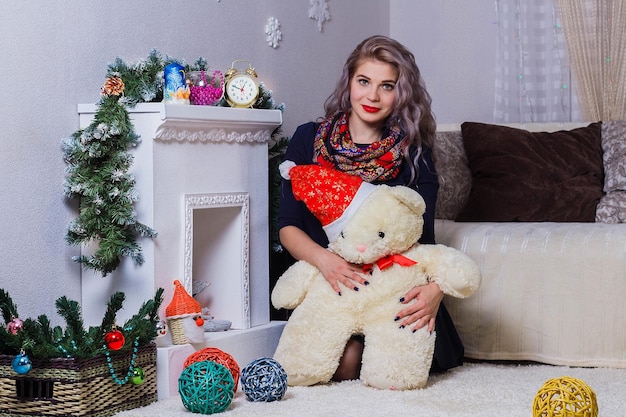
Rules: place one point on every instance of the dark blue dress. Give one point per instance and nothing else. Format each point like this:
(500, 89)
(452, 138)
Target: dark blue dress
(448, 346)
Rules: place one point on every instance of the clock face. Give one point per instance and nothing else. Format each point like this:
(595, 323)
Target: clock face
(242, 91)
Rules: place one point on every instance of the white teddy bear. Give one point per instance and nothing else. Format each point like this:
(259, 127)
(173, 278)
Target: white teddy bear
(378, 227)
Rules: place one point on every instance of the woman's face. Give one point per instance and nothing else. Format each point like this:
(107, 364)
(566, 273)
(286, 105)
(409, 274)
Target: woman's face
(373, 92)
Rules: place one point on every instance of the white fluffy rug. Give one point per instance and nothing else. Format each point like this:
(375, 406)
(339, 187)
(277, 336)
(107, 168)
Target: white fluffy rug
(475, 389)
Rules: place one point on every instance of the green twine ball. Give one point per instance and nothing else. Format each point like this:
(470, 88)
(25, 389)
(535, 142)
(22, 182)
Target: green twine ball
(206, 387)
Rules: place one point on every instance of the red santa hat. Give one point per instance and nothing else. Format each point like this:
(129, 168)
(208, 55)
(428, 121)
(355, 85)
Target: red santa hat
(331, 195)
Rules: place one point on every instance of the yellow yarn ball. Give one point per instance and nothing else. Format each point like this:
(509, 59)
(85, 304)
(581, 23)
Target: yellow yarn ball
(565, 397)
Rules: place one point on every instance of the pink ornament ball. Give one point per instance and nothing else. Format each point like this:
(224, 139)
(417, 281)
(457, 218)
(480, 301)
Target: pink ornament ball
(15, 326)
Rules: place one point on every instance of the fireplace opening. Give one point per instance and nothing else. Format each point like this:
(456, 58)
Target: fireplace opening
(217, 254)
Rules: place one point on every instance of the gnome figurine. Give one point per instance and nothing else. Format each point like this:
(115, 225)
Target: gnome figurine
(184, 317)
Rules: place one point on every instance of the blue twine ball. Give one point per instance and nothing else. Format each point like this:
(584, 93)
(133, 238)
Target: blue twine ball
(263, 379)
(206, 387)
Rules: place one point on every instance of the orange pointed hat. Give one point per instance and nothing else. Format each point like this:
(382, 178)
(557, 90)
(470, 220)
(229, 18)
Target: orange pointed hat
(331, 195)
(182, 304)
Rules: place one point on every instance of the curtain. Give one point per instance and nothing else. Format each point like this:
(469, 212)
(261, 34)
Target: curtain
(595, 31)
(532, 81)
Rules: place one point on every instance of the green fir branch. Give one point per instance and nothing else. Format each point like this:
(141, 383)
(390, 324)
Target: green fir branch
(115, 304)
(143, 323)
(7, 306)
(71, 312)
(9, 343)
(37, 338)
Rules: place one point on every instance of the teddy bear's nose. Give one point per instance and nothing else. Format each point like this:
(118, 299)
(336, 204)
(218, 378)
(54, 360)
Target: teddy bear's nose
(361, 248)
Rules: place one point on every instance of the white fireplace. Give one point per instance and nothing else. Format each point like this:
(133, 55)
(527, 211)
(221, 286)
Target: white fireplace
(202, 180)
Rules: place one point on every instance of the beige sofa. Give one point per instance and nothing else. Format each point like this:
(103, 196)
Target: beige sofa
(552, 291)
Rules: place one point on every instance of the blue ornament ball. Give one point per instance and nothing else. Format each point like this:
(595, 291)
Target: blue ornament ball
(206, 387)
(264, 379)
(21, 364)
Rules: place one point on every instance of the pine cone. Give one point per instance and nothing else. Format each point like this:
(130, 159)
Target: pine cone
(113, 86)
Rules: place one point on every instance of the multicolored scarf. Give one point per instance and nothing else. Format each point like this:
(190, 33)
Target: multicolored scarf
(379, 161)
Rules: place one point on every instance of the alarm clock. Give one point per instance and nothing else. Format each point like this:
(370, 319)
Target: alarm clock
(241, 89)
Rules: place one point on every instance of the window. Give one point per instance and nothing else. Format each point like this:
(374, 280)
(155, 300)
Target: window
(533, 80)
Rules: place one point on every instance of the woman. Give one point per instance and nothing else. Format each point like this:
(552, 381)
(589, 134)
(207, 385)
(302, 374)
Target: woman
(379, 126)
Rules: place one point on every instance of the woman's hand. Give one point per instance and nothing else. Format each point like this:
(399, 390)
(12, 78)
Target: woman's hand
(422, 305)
(337, 270)
(334, 268)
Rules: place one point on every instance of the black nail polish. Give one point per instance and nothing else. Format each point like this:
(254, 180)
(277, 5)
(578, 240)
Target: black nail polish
(356, 288)
(396, 318)
(367, 283)
(339, 293)
(402, 300)
(402, 326)
(414, 330)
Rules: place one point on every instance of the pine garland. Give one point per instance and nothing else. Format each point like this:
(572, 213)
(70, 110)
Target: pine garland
(41, 341)
(98, 162)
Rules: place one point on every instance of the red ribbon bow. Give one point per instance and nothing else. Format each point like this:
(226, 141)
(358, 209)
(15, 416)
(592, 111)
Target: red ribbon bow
(389, 260)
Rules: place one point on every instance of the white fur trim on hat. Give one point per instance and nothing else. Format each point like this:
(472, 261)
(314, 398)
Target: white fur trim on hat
(284, 169)
(334, 228)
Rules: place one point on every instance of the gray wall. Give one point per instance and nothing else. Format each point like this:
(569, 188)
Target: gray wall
(55, 54)
(454, 43)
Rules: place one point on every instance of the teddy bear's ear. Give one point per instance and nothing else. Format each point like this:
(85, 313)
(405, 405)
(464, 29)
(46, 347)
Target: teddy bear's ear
(410, 197)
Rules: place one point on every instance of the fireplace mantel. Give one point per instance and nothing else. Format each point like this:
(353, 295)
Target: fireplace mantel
(217, 124)
(205, 123)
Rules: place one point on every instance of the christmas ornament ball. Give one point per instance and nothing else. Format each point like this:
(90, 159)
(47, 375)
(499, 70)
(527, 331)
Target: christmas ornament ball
(15, 325)
(114, 339)
(21, 364)
(137, 376)
(206, 387)
(264, 379)
(565, 397)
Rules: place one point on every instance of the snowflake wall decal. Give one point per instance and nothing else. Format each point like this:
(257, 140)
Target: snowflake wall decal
(272, 30)
(319, 11)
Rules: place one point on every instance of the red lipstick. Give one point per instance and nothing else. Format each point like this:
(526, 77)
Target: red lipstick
(370, 109)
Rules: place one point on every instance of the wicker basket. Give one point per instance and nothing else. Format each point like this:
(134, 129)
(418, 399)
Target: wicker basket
(73, 387)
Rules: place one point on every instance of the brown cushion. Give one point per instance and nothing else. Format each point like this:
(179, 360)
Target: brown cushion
(525, 176)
